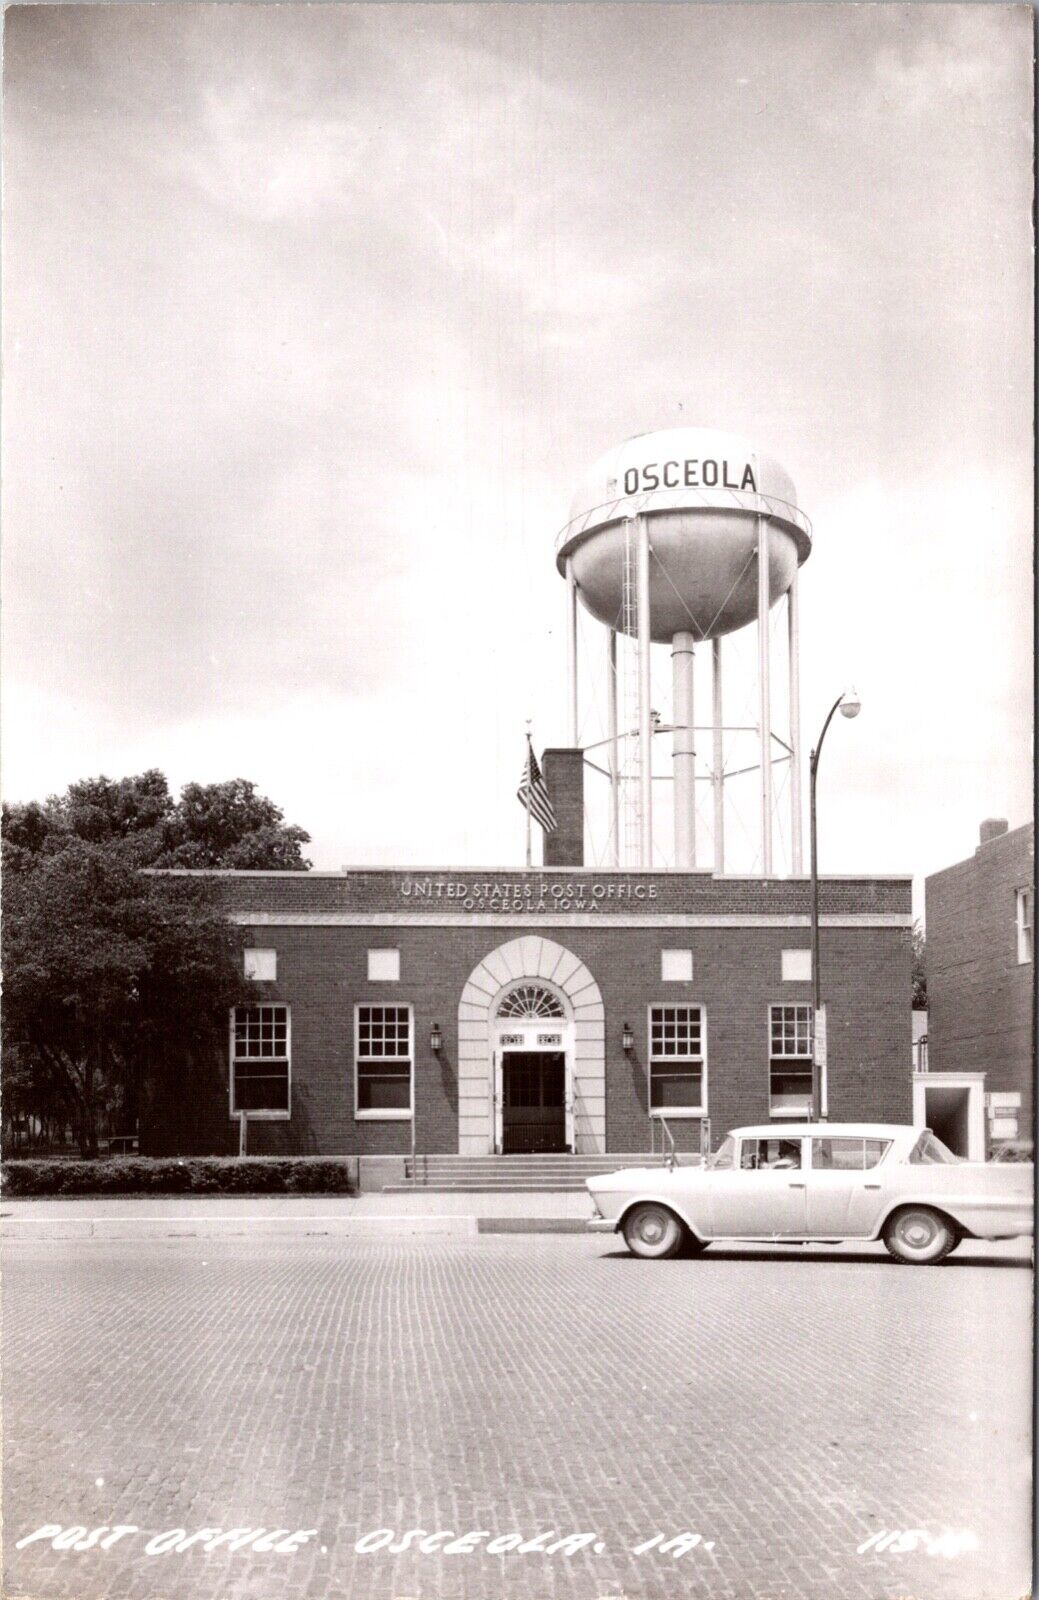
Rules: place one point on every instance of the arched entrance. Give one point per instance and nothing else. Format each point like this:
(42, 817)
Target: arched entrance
(531, 998)
(533, 1071)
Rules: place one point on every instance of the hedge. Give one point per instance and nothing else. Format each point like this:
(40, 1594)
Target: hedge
(183, 1175)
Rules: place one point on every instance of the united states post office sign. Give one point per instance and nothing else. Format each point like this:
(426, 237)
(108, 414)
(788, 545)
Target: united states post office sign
(523, 894)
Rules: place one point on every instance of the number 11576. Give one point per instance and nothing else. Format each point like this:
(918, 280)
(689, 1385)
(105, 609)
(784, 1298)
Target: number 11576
(903, 1542)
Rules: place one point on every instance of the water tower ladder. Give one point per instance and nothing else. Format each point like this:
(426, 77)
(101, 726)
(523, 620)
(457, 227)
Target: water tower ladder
(631, 809)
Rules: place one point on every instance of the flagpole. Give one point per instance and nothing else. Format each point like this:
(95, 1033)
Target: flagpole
(530, 861)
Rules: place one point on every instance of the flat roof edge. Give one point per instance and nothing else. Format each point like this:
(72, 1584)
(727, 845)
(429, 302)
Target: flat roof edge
(597, 872)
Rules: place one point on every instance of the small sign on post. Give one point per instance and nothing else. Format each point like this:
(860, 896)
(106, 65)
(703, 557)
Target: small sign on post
(1004, 1109)
(819, 1057)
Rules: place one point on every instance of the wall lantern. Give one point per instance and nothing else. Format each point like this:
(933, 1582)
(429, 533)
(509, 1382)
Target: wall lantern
(627, 1039)
(436, 1038)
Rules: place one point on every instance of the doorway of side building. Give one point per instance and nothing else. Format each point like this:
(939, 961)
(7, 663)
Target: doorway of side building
(952, 1105)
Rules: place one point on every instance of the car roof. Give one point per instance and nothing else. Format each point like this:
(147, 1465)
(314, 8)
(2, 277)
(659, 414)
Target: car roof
(817, 1130)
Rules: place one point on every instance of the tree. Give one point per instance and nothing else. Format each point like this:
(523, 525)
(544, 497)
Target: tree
(919, 968)
(211, 825)
(115, 979)
(110, 976)
(230, 825)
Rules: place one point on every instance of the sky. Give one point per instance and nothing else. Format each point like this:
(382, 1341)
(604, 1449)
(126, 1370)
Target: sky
(315, 317)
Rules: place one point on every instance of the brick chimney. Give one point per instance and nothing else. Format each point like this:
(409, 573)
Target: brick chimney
(992, 828)
(564, 778)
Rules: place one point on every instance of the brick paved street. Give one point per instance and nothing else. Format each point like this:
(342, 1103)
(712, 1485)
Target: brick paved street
(784, 1405)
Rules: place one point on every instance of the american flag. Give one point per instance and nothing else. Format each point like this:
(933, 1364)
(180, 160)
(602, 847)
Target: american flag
(532, 793)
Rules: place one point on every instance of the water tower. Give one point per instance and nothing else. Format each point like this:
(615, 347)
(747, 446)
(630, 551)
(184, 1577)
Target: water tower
(680, 537)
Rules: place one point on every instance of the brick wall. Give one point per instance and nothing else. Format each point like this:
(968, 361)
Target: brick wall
(564, 779)
(322, 974)
(979, 996)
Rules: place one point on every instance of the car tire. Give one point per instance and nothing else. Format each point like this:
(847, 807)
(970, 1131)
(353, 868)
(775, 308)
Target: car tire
(918, 1236)
(653, 1232)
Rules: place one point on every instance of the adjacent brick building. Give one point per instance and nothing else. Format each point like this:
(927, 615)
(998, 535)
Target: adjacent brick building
(980, 986)
(460, 1011)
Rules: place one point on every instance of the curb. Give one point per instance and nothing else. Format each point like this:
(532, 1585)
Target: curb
(340, 1227)
(531, 1225)
(195, 1227)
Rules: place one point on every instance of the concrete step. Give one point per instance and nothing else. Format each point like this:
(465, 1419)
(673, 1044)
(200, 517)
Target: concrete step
(489, 1186)
(574, 1164)
(495, 1176)
(520, 1174)
(536, 1163)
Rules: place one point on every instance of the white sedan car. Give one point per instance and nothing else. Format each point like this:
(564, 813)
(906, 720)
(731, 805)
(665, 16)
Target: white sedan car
(819, 1182)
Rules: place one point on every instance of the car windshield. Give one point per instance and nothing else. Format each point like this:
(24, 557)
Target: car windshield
(930, 1152)
(724, 1155)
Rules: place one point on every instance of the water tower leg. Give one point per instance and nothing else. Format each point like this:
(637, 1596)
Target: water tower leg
(614, 755)
(796, 846)
(571, 654)
(718, 774)
(765, 699)
(645, 710)
(684, 752)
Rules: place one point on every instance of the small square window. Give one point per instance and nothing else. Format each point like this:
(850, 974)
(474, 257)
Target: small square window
(797, 966)
(261, 965)
(383, 966)
(676, 966)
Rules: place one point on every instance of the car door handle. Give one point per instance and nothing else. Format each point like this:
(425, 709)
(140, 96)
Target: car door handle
(871, 1185)
(797, 1186)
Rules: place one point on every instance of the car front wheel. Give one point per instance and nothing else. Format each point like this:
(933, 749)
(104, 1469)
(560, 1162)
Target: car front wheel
(919, 1236)
(653, 1232)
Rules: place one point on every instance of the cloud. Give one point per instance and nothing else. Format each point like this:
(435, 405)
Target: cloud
(314, 316)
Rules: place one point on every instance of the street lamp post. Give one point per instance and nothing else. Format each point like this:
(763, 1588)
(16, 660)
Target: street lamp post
(850, 706)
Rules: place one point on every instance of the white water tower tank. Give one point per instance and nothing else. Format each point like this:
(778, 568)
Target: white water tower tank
(682, 536)
(703, 493)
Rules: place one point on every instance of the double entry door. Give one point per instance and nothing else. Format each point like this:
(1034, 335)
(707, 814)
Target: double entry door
(533, 1102)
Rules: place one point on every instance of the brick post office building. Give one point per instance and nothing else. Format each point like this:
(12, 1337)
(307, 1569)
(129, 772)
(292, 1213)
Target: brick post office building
(556, 1009)
(479, 1013)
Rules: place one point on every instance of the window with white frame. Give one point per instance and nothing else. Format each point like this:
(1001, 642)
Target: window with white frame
(383, 966)
(676, 1059)
(797, 966)
(260, 1060)
(676, 966)
(1024, 925)
(383, 1055)
(261, 965)
(790, 1061)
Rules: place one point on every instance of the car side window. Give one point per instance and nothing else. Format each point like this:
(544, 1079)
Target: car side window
(760, 1155)
(724, 1157)
(929, 1151)
(847, 1155)
(837, 1155)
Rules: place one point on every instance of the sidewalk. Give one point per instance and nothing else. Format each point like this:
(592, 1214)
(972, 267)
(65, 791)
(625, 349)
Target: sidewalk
(229, 1216)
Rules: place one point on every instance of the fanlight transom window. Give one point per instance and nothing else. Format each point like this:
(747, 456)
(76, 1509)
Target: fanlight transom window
(530, 1002)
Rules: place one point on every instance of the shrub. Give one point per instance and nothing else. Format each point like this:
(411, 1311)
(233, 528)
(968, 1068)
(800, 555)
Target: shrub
(184, 1175)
